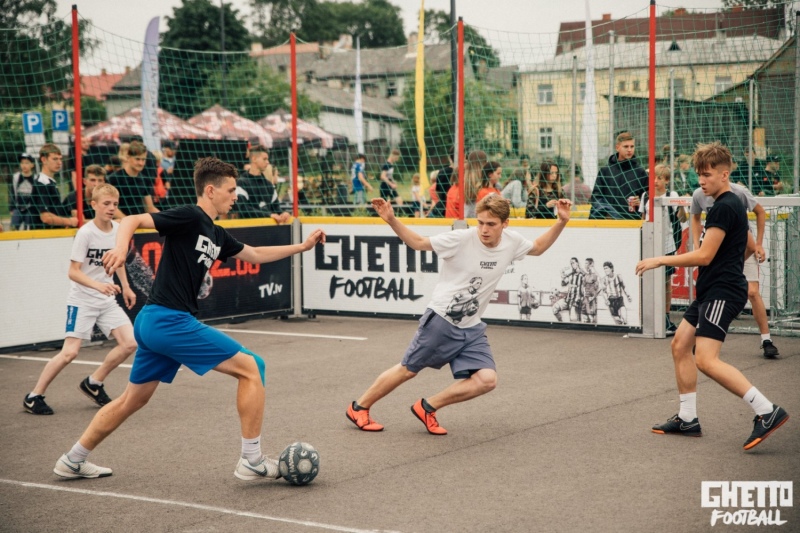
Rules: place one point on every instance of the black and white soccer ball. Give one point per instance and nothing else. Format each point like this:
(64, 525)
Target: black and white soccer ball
(299, 463)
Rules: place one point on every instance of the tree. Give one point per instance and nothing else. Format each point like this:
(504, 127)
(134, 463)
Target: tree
(438, 29)
(185, 63)
(754, 4)
(255, 91)
(276, 19)
(35, 53)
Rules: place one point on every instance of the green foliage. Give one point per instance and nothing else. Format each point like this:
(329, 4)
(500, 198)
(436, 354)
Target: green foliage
(438, 28)
(12, 140)
(35, 53)
(376, 22)
(184, 68)
(254, 92)
(93, 111)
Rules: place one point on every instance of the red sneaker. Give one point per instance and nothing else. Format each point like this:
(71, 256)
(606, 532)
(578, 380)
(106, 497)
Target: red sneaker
(362, 419)
(429, 419)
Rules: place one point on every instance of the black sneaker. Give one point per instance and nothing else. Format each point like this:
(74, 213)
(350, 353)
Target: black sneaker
(676, 426)
(96, 393)
(36, 405)
(764, 425)
(671, 328)
(770, 350)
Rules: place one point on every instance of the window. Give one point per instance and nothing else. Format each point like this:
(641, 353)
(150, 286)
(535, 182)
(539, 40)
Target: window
(621, 86)
(546, 94)
(721, 83)
(546, 139)
(391, 89)
(679, 88)
(582, 92)
(636, 86)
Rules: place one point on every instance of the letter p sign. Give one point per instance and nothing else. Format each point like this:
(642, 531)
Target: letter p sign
(60, 120)
(32, 123)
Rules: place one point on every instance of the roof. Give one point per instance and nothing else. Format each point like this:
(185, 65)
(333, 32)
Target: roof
(767, 23)
(100, 85)
(129, 85)
(753, 49)
(378, 62)
(340, 100)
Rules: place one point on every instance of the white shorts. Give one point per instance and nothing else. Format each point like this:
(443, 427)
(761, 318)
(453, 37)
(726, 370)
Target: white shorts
(752, 269)
(82, 319)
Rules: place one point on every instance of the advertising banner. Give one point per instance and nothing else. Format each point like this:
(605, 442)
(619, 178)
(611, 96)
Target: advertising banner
(586, 277)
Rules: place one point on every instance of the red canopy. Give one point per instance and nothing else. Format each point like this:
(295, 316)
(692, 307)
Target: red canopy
(229, 125)
(280, 123)
(129, 124)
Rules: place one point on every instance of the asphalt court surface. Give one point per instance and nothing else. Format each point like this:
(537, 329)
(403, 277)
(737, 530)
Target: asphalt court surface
(562, 444)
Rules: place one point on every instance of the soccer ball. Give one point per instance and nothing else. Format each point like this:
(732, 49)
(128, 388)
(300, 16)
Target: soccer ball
(299, 463)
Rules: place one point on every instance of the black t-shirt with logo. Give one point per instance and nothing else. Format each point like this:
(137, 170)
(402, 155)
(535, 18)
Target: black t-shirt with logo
(45, 198)
(192, 244)
(132, 191)
(723, 278)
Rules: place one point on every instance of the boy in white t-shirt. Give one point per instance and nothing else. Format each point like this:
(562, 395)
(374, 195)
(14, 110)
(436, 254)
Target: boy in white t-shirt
(91, 300)
(451, 331)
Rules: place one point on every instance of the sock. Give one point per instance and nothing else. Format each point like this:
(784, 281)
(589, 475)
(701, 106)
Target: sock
(688, 410)
(428, 407)
(758, 402)
(31, 396)
(357, 407)
(78, 453)
(251, 449)
(93, 382)
(765, 337)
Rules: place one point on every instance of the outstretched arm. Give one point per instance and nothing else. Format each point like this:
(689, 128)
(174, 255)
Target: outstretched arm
(412, 239)
(115, 258)
(546, 240)
(700, 257)
(268, 254)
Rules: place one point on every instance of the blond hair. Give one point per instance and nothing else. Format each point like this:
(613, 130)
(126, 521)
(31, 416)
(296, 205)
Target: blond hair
(105, 189)
(496, 205)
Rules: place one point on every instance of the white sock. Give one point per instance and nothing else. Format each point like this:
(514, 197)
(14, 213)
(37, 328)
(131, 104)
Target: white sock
(78, 453)
(31, 395)
(688, 410)
(251, 450)
(765, 337)
(93, 382)
(758, 402)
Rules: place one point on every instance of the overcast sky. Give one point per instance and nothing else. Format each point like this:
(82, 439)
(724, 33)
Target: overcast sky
(130, 20)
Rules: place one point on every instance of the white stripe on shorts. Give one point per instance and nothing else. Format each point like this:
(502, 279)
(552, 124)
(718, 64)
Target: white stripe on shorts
(714, 312)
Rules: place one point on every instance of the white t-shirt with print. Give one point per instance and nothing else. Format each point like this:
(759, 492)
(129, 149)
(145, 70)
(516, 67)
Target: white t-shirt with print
(88, 248)
(470, 272)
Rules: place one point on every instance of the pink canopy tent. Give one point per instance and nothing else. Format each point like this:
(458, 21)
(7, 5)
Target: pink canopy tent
(229, 125)
(129, 124)
(280, 122)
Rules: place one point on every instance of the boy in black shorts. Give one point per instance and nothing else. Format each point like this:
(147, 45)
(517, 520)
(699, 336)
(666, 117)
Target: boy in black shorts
(721, 296)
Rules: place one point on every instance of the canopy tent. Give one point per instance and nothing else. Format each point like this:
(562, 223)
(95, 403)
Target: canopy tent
(129, 124)
(229, 125)
(280, 122)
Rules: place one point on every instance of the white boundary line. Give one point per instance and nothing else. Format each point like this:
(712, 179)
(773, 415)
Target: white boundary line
(189, 505)
(46, 359)
(258, 332)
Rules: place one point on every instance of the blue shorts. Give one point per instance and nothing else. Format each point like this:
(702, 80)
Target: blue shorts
(438, 342)
(168, 339)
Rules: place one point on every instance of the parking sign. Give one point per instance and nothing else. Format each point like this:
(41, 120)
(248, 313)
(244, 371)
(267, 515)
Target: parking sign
(33, 128)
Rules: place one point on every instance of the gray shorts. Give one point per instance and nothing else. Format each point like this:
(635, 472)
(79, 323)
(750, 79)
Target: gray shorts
(752, 269)
(438, 342)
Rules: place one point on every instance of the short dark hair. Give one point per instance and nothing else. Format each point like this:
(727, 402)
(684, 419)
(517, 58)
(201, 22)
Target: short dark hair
(608, 264)
(258, 149)
(361, 156)
(95, 170)
(48, 149)
(210, 170)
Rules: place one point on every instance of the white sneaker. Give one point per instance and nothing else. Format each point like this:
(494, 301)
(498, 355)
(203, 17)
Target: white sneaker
(66, 468)
(266, 468)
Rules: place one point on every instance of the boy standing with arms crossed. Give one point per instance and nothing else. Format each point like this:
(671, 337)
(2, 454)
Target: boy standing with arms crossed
(91, 300)
(721, 296)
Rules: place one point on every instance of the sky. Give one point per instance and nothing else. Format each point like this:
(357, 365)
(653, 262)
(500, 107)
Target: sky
(490, 16)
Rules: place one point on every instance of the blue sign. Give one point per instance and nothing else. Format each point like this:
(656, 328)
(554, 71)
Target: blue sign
(60, 120)
(32, 123)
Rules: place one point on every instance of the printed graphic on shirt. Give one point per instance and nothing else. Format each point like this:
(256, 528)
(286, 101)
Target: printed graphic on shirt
(465, 304)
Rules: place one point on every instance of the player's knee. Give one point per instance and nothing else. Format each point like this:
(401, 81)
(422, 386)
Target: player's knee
(129, 346)
(261, 366)
(487, 381)
(752, 291)
(69, 354)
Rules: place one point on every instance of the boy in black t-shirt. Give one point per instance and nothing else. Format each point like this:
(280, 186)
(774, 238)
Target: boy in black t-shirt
(721, 296)
(166, 330)
(388, 188)
(135, 188)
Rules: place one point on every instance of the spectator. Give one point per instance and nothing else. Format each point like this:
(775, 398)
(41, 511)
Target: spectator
(360, 183)
(516, 189)
(417, 197)
(583, 193)
(741, 171)
(771, 180)
(472, 180)
(686, 180)
(45, 199)
(114, 164)
(525, 168)
(87, 158)
(441, 185)
(545, 192)
(135, 190)
(620, 184)
(671, 219)
(256, 194)
(167, 163)
(93, 175)
(454, 205)
(20, 189)
(492, 171)
(388, 188)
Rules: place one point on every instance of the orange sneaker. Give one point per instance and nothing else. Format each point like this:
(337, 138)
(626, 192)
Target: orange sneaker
(362, 419)
(429, 419)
